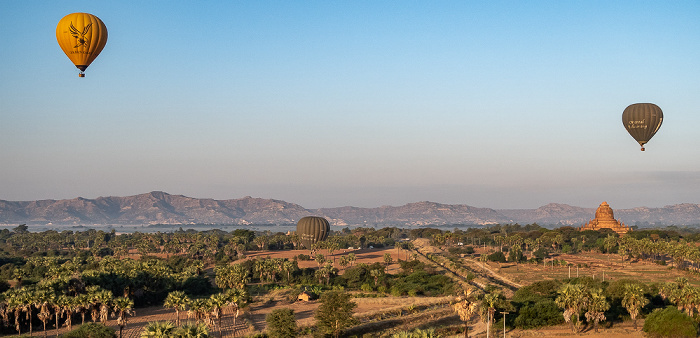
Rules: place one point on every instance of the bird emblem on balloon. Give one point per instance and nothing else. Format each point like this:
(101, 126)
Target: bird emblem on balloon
(82, 39)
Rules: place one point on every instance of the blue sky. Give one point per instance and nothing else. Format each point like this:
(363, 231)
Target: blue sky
(502, 104)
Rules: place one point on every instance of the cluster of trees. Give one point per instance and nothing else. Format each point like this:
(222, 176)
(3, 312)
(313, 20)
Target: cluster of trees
(584, 302)
(63, 276)
(206, 311)
(22, 306)
(514, 243)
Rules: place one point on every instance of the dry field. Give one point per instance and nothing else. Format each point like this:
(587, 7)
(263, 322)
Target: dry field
(594, 265)
(367, 256)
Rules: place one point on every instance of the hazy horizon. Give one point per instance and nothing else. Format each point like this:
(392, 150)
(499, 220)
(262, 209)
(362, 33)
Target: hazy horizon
(498, 104)
(341, 206)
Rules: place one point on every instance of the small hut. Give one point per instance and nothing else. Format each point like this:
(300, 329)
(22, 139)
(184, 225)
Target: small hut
(306, 296)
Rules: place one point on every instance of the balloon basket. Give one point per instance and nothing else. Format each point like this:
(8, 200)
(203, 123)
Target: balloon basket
(642, 148)
(81, 75)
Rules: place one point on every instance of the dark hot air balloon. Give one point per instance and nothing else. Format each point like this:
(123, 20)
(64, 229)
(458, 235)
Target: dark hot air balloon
(642, 120)
(82, 37)
(312, 229)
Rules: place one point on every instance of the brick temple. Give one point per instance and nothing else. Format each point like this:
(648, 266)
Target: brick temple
(604, 219)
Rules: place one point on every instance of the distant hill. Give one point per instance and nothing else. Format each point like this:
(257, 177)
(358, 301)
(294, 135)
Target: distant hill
(162, 208)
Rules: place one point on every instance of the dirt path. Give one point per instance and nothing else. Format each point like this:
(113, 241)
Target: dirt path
(508, 287)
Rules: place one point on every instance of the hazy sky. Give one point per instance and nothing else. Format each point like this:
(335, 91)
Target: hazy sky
(502, 104)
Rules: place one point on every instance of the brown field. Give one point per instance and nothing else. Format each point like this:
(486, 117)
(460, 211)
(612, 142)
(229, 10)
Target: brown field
(594, 265)
(367, 256)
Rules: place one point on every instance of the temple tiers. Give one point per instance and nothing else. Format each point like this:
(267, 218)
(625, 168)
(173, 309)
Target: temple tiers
(604, 219)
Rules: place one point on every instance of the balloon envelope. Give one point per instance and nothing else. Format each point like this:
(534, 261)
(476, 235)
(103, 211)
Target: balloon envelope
(312, 229)
(82, 37)
(642, 121)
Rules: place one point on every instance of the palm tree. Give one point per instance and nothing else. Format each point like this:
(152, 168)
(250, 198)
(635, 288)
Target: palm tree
(488, 308)
(634, 301)
(289, 267)
(43, 299)
(218, 301)
(344, 261)
(320, 259)
(597, 305)
(686, 297)
(65, 305)
(236, 297)
(83, 303)
(466, 307)
(198, 330)
(352, 258)
(376, 273)
(158, 330)
(15, 304)
(93, 295)
(572, 298)
(198, 309)
(28, 299)
(124, 307)
(105, 299)
(177, 300)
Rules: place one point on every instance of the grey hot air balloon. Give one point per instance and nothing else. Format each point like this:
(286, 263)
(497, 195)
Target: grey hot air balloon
(642, 120)
(312, 229)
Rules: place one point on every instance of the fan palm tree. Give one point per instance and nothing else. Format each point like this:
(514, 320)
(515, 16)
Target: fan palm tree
(63, 305)
(177, 300)
(218, 301)
(572, 298)
(15, 304)
(466, 306)
(198, 330)
(43, 300)
(352, 258)
(28, 300)
(488, 307)
(82, 304)
(199, 308)
(105, 299)
(93, 296)
(123, 307)
(634, 301)
(289, 267)
(236, 297)
(158, 330)
(597, 305)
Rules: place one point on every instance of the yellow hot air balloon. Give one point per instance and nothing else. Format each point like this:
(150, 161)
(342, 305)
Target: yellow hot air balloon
(82, 37)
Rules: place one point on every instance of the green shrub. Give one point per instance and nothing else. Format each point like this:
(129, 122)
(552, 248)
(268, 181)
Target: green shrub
(281, 323)
(543, 313)
(670, 322)
(516, 256)
(497, 256)
(541, 254)
(91, 330)
(303, 257)
(395, 291)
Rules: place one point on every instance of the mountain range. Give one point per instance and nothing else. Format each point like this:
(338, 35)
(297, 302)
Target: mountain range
(162, 208)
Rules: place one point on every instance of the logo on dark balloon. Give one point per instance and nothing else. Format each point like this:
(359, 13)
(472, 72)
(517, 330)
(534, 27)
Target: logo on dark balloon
(82, 39)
